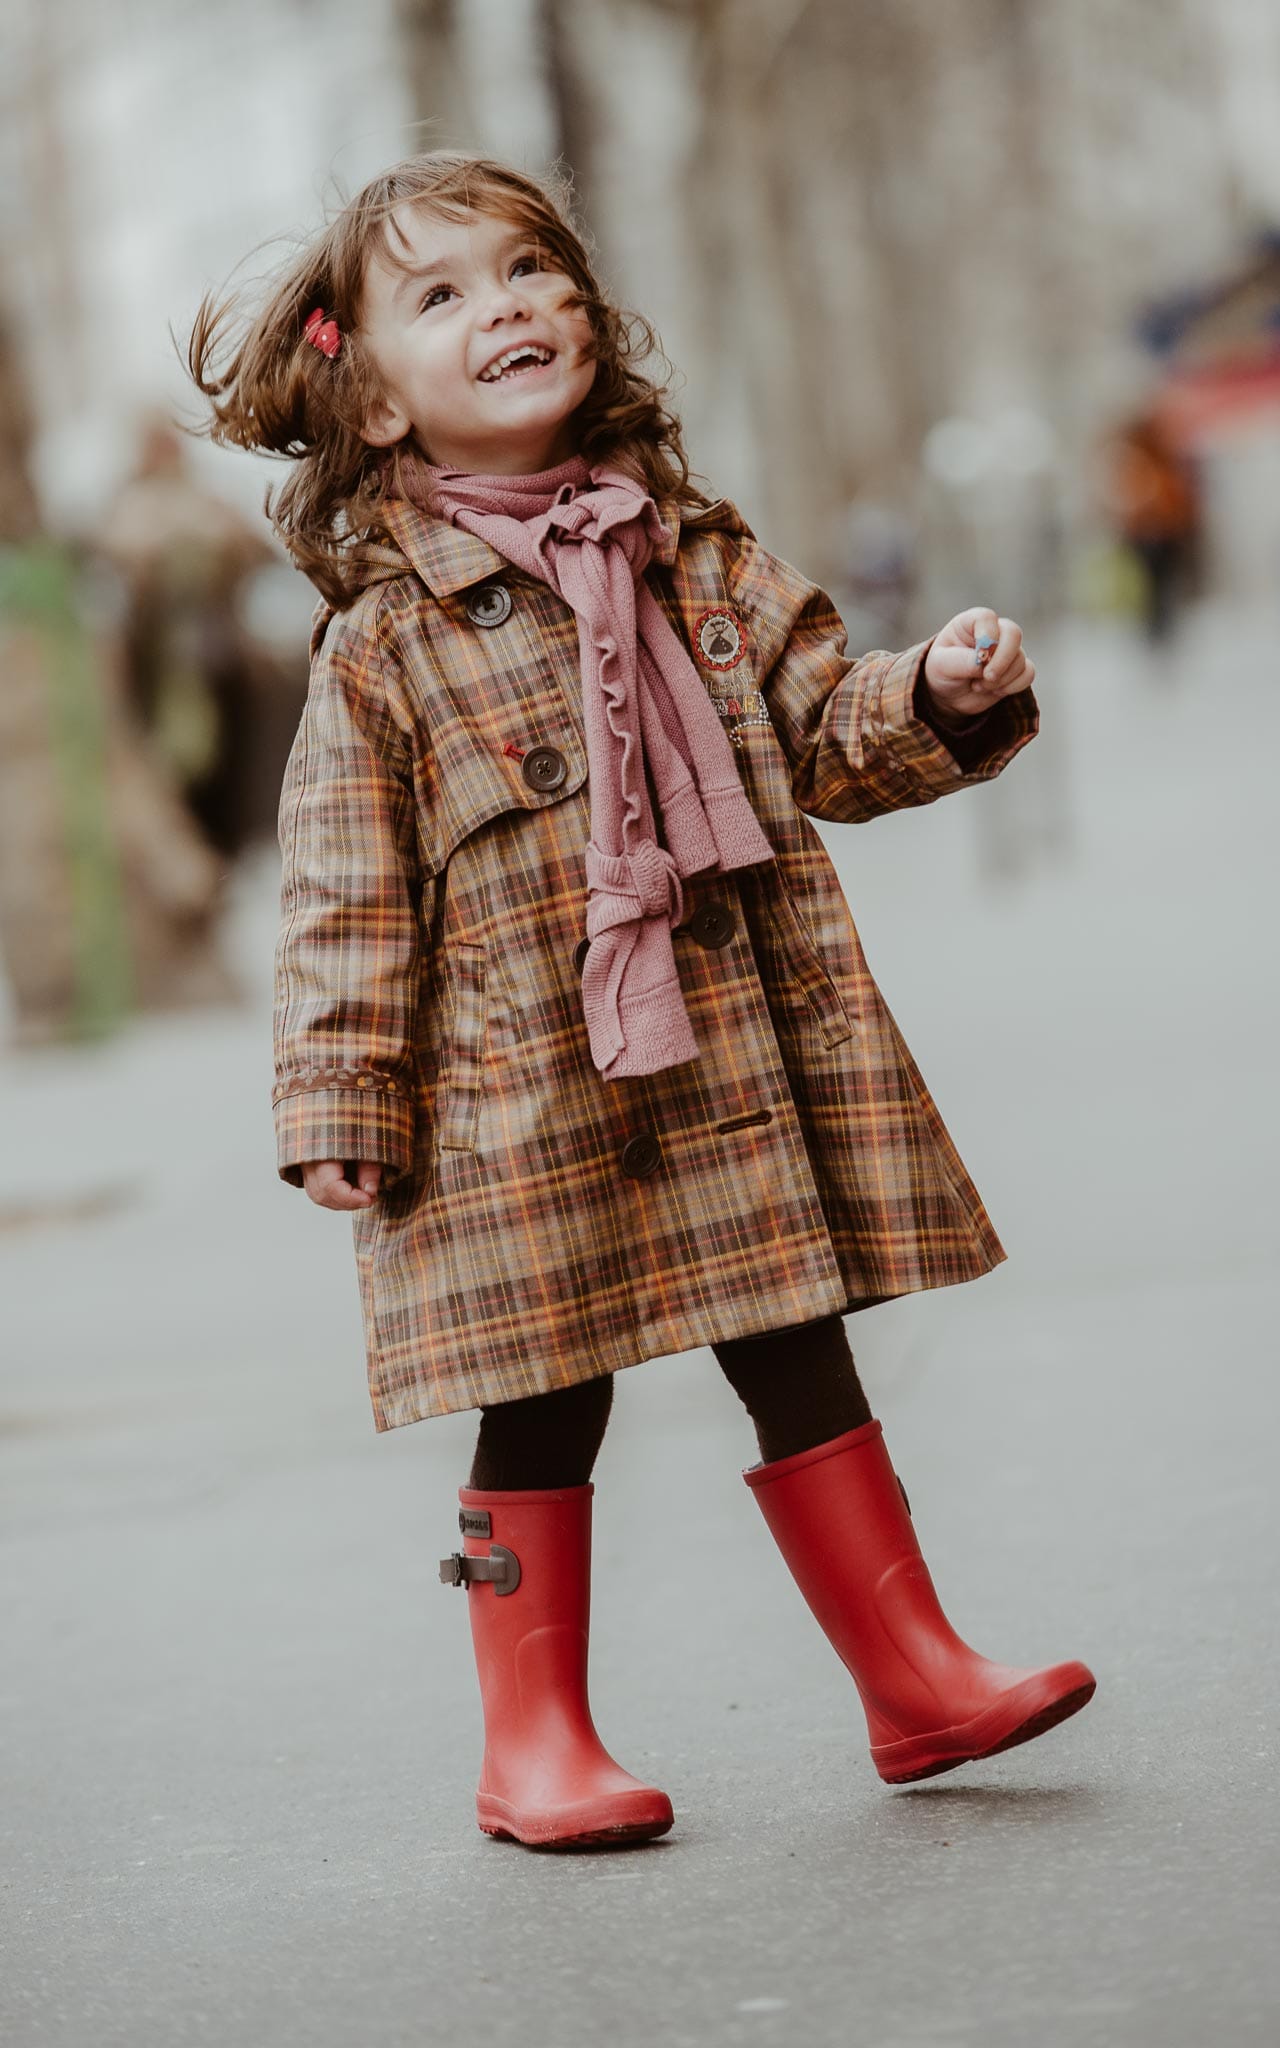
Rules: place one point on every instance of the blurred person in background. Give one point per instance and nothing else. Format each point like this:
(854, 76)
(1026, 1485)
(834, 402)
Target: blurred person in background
(108, 893)
(542, 647)
(1152, 497)
(184, 557)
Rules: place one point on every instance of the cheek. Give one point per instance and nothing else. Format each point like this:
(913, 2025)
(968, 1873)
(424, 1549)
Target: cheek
(586, 368)
(575, 325)
(387, 362)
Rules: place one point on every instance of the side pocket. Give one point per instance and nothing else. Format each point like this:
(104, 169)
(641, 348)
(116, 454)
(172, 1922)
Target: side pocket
(461, 1084)
(802, 962)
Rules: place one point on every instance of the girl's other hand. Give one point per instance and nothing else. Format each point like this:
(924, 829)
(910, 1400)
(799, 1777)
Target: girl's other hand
(342, 1184)
(976, 659)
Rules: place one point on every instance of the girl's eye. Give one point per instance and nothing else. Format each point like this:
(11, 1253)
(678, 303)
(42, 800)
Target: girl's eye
(439, 292)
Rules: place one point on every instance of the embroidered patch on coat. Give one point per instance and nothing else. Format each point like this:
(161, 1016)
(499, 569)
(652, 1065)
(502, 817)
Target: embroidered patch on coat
(719, 638)
(739, 705)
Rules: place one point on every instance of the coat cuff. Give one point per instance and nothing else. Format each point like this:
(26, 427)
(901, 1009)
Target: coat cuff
(343, 1114)
(935, 756)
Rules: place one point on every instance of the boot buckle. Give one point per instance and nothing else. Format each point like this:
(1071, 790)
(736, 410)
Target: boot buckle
(501, 1568)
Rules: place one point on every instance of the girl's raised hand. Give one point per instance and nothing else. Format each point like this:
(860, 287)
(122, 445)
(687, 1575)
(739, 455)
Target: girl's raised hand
(976, 659)
(342, 1184)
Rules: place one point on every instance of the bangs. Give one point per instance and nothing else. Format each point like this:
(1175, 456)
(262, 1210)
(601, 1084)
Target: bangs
(530, 219)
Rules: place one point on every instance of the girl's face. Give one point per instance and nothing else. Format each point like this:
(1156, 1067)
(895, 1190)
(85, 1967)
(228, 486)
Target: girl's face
(475, 290)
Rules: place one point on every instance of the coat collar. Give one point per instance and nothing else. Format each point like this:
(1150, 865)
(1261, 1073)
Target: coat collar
(448, 559)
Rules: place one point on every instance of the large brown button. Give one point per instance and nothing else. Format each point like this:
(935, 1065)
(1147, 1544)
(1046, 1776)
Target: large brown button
(640, 1155)
(489, 605)
(544, 768)
(712, 924)
(580, 952)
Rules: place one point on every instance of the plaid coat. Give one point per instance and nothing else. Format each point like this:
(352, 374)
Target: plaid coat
(538, 1224)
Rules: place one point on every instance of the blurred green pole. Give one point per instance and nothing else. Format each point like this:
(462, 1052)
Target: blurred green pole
(38, 588)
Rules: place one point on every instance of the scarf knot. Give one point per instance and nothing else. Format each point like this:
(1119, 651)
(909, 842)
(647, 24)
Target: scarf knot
(646, 879)
(609, 518)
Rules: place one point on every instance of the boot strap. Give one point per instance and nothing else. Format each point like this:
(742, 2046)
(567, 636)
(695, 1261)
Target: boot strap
(501, 1567)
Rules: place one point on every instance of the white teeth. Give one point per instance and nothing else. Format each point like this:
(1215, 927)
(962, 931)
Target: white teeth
(514, 355)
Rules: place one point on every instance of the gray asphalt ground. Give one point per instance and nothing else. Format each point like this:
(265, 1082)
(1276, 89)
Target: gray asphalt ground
(240, 1718)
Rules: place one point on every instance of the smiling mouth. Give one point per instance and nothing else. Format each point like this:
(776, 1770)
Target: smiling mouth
(517, 362)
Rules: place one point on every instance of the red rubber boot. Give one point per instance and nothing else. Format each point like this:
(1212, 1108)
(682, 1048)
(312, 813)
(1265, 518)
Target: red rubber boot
(840, 1519)
(547, 1778)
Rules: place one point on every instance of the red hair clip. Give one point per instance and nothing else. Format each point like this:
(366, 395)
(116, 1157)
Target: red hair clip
(322, 333)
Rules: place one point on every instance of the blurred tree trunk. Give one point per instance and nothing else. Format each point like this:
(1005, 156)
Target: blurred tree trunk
(436, 74)
(568, 93)
(747, 233)
(19, 519)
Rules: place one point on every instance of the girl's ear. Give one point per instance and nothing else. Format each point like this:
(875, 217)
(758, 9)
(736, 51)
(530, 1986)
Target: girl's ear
(385, 424)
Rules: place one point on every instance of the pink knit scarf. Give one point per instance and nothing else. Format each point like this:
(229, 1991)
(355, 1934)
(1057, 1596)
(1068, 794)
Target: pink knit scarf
(590, 531)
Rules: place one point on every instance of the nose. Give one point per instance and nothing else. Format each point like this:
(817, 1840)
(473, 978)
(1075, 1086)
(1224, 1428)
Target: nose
(504, 303)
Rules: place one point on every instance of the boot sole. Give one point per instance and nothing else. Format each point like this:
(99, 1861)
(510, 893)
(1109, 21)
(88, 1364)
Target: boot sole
(946, 1749)
(597, 1838)
(499, 1821)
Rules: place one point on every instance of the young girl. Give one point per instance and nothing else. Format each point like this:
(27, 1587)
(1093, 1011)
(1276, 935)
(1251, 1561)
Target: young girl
(571, 1014)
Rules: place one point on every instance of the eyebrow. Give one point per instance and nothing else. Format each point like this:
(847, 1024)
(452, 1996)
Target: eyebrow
(422, 271)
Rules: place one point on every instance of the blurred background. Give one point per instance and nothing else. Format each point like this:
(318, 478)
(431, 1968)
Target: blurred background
(974, 303)
(979, 303)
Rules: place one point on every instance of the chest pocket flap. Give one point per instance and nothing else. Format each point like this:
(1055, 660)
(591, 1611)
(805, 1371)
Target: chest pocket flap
(488, 679)
(468, 778)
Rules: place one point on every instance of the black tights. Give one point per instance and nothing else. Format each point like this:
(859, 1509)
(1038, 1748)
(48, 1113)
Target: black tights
(799, 1386)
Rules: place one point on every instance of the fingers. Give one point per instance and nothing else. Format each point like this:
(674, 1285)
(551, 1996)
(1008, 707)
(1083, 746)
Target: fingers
(1019, 675)
(986, 639)
(339, 1184)
(1005, 657)
(997, 643)
(967, 627)
(985, 690)
(981, 648)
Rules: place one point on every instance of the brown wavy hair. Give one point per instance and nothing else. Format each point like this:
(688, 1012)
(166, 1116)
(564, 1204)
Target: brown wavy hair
(268, 388)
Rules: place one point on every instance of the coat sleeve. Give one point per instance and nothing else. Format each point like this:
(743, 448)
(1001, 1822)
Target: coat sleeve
(347, 959)
(861, 736)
